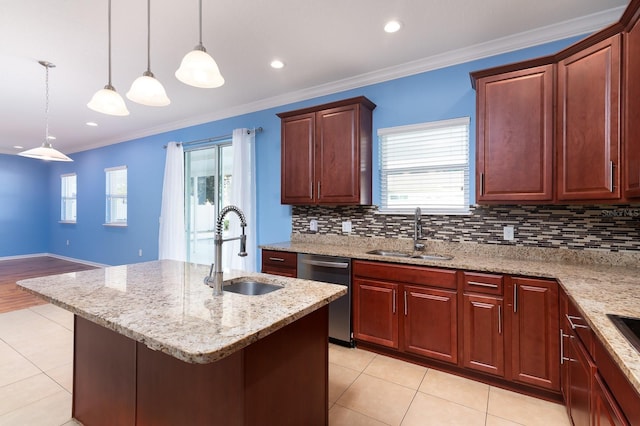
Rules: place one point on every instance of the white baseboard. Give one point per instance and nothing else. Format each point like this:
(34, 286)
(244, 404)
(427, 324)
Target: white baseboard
(57, 256)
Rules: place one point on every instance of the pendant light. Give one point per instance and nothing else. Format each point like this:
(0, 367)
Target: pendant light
(46, 151)
(146, 90)
(107, 100)
(198, 68)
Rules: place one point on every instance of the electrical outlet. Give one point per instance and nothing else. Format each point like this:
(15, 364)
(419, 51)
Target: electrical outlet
(313, 225)
(346, 226)
(508, 233)
(140, 252)
(68, 242)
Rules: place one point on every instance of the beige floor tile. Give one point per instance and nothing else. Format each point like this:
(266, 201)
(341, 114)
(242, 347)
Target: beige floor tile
(353, 358)
(525, 409)
(46, 351)
(25, 392)
(54, 313)
(63, 375)
(341, 416)
(72, 422)
(456, 389)
(377, 398)
(430, 410)
(14, 366)
(54, 410)
(497, 421)
(340, 378)
(396, 371)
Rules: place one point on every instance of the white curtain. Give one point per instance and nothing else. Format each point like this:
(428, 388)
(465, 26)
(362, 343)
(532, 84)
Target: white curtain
(243, 195)
(171, 240)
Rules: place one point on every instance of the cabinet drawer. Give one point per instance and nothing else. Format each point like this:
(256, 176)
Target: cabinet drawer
(433, 277)
(280, 263)
(476, 282)
(580, 327)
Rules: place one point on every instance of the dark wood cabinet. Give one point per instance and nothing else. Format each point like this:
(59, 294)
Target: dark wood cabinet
(605, 409)
(514, 155)
(430, 323)
(534, 332)
(280, 263)
(581, 373)
(326, 154)
(588, 129)
(631, 93)
(375, 312)
(483, 347)
(409, 308)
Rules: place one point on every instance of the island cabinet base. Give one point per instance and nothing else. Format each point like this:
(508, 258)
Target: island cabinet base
(281, 379)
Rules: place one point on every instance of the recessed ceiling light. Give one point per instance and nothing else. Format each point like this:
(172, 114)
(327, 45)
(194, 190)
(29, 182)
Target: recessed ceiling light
(277, 64)
(392, 26)
(18, 146)
(91, 124)
(51, 138)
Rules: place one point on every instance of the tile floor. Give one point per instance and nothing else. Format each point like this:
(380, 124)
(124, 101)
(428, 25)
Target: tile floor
(364, 388)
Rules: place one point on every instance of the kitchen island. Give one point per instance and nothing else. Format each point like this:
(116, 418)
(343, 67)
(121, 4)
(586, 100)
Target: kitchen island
(152, 345)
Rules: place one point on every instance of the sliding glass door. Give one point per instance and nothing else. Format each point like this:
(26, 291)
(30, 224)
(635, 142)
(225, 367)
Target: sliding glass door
(207, 189)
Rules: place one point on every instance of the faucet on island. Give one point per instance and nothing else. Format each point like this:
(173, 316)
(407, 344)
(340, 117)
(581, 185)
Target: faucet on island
(417, 230)
(215, 281)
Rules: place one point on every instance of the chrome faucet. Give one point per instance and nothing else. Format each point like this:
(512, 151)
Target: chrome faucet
(417, 230)
(214, 279)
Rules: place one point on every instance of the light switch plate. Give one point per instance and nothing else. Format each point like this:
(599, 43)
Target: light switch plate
(508, 233)
(346, 226)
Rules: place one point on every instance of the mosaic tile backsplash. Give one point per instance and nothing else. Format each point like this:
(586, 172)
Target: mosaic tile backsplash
(606, 227)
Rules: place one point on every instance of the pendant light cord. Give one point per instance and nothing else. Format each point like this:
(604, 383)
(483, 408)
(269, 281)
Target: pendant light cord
(149, 36)
(200, 22)
(109, 20)
(46, 103)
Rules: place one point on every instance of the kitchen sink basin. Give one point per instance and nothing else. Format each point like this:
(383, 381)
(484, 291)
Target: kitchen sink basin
(629, 327)
(424, 256)
(250, 288)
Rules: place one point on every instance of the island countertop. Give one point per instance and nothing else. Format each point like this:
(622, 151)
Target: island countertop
(166, 306)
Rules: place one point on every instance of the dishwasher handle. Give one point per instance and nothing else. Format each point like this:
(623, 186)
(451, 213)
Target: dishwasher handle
(336, 265)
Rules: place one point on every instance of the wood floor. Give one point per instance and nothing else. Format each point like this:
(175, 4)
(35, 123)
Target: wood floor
(13, 297)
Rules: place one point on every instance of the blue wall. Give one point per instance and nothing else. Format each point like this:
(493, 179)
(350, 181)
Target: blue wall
(436, 95)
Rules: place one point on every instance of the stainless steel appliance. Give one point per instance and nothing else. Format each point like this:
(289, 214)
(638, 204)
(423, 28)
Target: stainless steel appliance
(335, 270)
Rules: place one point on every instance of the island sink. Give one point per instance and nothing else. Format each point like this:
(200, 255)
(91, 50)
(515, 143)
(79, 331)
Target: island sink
(250, 287)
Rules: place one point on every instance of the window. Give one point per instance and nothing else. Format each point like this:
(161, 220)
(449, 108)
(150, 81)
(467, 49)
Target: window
(116, 194)
(427, 166)
(68, 198)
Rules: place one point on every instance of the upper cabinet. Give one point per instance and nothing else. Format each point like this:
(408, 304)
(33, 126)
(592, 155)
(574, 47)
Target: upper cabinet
(515, 136)
(566, 127)
(588, 163)
(326, 154)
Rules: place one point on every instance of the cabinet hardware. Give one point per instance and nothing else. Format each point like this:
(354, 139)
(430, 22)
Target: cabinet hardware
(318, 190)
(311, 190)
(276, 259)
(406, 307)
(481, 183)
(499, 319)
(336, 265)
(515, 298)
(479, 284)
(562, 357)
(393, 302)
(574, 326)
(611, 167)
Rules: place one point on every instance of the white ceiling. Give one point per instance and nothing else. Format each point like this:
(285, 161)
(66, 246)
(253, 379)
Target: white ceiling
(327, 45)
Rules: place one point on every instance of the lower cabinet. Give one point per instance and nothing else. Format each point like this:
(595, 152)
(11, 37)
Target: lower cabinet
(280, 263)
(407, 308)
(483, 334)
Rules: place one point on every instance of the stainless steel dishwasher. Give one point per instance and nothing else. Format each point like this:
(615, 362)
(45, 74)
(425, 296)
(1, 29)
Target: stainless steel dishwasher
(335, 270)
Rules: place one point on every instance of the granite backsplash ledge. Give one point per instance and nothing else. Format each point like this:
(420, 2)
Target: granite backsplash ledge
(596, 233)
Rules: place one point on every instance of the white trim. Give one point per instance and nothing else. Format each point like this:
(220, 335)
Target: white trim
(57, 256)
(67, 175)
(113, 169)
(115, 224)
(562, 30)
(462, 121)
(73, 222)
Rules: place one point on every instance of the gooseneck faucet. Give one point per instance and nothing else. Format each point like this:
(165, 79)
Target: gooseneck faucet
(417, 230)
(215, 272)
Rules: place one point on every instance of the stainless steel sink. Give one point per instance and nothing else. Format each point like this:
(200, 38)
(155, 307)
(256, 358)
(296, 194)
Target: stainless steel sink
(250, 288)
(424, 256)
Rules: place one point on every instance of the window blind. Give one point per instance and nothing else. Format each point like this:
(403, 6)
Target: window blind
(426, 166)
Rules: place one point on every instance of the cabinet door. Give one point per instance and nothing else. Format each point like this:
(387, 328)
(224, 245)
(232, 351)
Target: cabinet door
(280, 263)
(515, 136)
(605, 409)
(375, 312)
(589, 123)
(535, 331)
(337, 161)
(430, 323)
(631, 87)
(483, 334)
(297, 186)
(581, 372)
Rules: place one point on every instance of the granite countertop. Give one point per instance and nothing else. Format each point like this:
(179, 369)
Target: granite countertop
(598, 285)
(165, 305)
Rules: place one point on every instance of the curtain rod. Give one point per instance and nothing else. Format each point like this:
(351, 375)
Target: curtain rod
(215, 138)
